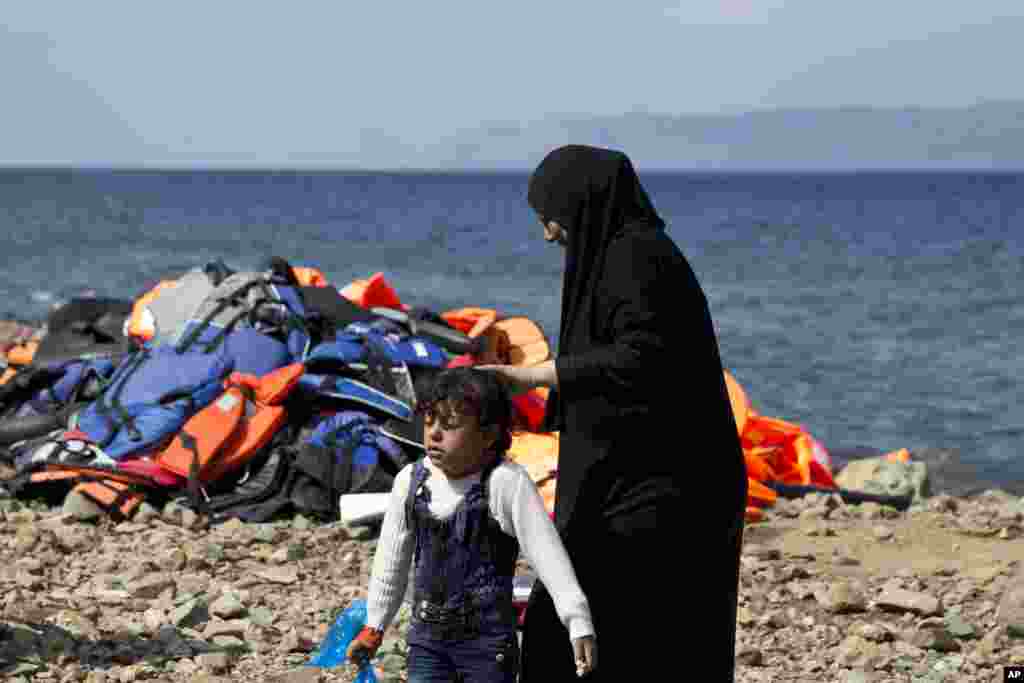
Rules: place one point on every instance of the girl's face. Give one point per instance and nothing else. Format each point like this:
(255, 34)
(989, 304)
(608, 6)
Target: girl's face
(456, 444)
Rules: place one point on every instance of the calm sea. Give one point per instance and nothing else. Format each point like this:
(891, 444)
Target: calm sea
(875, 309)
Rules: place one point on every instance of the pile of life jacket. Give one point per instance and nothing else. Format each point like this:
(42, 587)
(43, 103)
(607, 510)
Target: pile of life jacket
(245, 394)
(780, 452)
(252, 394)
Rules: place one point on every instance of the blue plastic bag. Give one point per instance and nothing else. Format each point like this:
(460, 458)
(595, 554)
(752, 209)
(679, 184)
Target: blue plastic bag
(333, 650)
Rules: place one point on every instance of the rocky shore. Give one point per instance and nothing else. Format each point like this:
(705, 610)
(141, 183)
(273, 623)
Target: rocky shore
(828, 592)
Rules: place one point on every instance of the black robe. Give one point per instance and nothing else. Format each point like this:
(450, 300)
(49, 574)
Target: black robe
(651, 484)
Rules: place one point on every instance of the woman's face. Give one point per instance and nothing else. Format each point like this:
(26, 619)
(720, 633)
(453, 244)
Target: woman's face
(553, 232)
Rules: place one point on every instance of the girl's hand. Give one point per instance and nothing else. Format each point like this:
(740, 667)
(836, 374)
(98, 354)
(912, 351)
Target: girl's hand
(364, 647)
(585, 651)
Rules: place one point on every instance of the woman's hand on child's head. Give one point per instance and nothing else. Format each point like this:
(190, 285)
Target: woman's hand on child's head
(585, 651)
(521, 379)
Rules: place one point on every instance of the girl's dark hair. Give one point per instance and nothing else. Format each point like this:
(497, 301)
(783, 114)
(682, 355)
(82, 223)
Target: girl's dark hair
(479, 393)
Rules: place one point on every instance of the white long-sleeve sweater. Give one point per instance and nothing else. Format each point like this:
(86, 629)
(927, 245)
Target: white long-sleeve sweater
(517, 506)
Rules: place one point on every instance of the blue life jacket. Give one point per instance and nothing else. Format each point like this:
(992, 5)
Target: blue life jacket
(351, 347)
(72, 379)
(150, 397)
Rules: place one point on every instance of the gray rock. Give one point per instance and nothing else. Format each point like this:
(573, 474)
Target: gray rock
(153, 619)
(215, 662)
(214, 552)
(232, 627)
(749, 656)
(283, 575)
(229, 642)
(175, 560)
(895, 599)
(81, 507)
(878, 475)
(882, 532)
(189, 518)
(150, 587)
(303, 675)
(228, 606)
(934, 638)
(191, 613)
(261, 616)
(145, 513)
(842, 597)
(853, 651)
(23, 516)
(1011, 608)
(859, 676)
(958, 628)
(172, 512)
(265, 533)
(873, 633)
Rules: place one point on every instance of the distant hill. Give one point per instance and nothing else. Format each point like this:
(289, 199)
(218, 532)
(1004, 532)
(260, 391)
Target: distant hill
(989, 135)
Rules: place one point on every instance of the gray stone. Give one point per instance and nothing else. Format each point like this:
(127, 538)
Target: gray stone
(172, 512)
(958, 628)
(228, 606)
(749, 656)
(189, 518)
(761, 552)
(145, 513)
(841, 597)
(153, 619)
(1011, 608)
(878, 475)
(191, 613)
(215, 662)
(175, 560)
(80, 507)
(233, 627)
(895, 599)
(859, 676)
(934, 638)
(261, 616)
(150, 587)
(283, 575)
(264, 533)
(228, 642)
(302, 675)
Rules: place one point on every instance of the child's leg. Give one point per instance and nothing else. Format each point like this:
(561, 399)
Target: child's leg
(488, 660)
(429, 665)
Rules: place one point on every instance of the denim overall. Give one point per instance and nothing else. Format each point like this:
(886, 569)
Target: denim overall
(463, 625)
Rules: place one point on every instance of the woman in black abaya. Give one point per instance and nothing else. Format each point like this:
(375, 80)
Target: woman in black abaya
(652, 485)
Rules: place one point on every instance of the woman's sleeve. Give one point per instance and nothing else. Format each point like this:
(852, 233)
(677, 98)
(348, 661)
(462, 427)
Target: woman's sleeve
(392, 559)
(523, 510)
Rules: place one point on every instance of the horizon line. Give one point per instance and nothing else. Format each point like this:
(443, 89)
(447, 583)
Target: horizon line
(483, 170)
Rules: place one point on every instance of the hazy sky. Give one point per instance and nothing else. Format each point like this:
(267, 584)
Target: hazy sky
(343, 82)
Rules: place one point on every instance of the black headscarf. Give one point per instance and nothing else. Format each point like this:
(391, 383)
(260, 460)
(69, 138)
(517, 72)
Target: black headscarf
(596, 195)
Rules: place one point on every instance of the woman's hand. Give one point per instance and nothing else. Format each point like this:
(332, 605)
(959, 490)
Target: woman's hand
(585, 651)
(522, 379)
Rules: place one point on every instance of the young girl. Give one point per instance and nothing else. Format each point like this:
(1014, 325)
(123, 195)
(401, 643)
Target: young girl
(462, 514)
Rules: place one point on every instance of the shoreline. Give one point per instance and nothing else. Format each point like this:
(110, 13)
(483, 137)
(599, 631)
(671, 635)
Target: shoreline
(827, 592)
